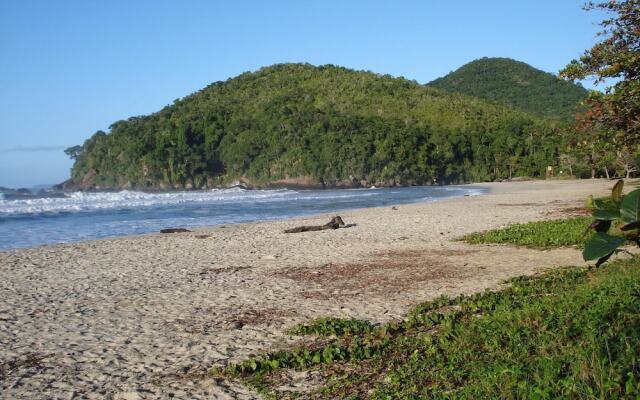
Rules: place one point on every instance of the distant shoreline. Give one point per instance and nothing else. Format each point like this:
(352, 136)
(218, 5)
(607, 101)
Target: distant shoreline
(21, 194)
(27, 193)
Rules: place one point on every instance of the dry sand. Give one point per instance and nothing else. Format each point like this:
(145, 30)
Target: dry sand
(147, 316)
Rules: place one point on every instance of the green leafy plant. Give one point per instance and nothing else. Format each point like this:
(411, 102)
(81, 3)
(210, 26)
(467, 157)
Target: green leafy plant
(619, 210)
(566, 333)
(329, 326)
(538, 235)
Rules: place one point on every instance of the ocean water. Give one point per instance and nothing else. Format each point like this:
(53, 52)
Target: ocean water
(84, 216)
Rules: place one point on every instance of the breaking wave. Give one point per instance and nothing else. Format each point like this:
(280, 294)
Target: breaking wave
(56, 218)
(127, 199)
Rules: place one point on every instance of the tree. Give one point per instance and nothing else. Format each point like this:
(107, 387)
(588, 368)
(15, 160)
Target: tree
(326, 125)
(594, 147)
(74, 151)
(627, 161)
(605, 162)
(567, 161)
(617, 57)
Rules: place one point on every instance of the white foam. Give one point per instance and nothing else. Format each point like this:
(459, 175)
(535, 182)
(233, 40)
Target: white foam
(83, 201)
(129, 199)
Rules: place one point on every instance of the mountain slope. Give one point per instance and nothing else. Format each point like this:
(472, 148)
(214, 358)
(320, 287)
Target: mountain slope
(516, 84)
(319, 126)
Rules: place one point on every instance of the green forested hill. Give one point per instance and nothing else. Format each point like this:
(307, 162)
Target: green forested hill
(516, 84)
(326, 125)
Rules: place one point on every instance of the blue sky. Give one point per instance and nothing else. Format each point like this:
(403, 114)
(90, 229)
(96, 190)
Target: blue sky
(70, 68)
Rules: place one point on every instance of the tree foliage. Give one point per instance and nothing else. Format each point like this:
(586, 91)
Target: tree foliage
(327, 124)
(613, 116)
(516, 84)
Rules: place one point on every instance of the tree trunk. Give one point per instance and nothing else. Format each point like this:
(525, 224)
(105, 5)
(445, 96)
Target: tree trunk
(606, 171)
(593, 172)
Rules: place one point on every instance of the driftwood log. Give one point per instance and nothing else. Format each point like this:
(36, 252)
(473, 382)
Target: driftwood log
(174, 230)
(335, 223)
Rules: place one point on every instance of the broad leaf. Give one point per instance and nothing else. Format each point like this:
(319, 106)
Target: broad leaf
(600, 225)
(630, 226)
(630, 208)
(601, 245)
(605, 204)
(616, 192)
(604, 259)
(606, 214)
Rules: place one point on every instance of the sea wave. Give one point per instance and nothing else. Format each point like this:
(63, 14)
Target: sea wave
(129, 199)
(53, 218)
(126, 199)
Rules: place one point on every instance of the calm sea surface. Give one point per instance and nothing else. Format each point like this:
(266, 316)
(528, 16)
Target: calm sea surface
(83, 216)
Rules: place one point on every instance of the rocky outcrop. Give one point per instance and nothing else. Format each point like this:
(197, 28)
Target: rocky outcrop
(86, 184)
(88, 178)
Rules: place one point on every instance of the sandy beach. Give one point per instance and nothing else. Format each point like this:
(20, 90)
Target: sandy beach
(146, 316)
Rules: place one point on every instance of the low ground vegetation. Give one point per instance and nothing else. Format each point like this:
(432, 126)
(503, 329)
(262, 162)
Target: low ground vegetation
(568, 333)
(540, 234)
(572, 332)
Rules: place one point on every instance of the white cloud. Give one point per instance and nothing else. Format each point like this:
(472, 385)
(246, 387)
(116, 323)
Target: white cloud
(34, 149)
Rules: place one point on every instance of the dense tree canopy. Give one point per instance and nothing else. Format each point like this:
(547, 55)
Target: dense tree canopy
(516, 84)
(326, 125)
(609, 130)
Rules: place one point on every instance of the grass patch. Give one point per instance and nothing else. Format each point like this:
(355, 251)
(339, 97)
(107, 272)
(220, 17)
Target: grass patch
(570, 333)
(541, 234)
(333, 327)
